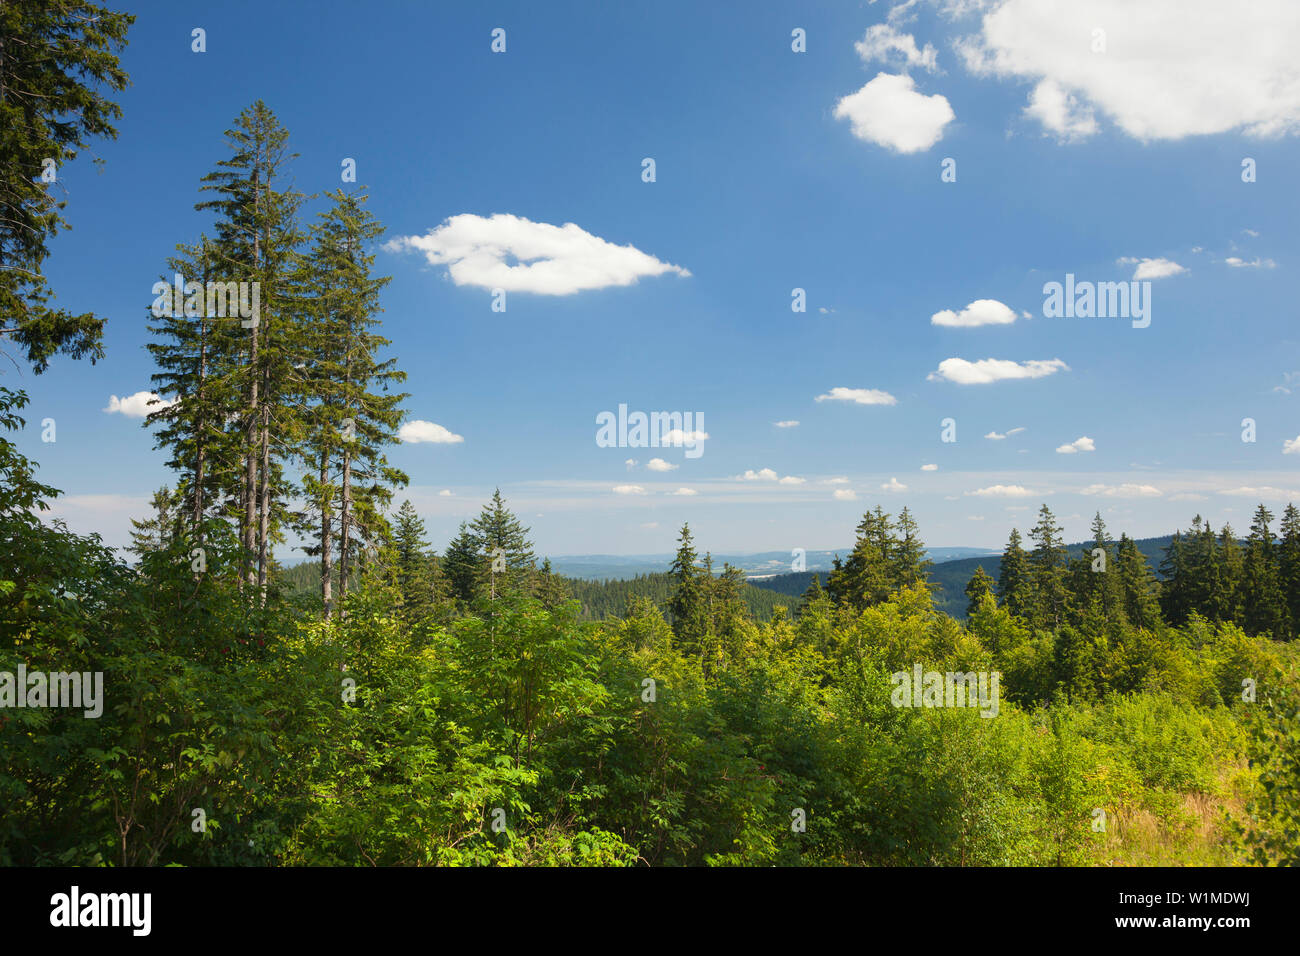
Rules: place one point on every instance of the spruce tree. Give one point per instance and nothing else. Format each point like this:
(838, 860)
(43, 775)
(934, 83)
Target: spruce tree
(257, 241)
(1014, 585)
(977, 589)
(1262, 600)
(1047, 570)
(57, 62)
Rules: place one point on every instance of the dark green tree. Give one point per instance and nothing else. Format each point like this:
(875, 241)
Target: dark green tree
(57, 61)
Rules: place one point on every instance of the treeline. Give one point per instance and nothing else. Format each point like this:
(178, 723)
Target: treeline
(1214, 577)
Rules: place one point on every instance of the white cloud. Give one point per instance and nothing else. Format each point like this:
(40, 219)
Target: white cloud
(1255, 263)
(630, 463)
(416, 431)
(883, 42)
(986, 371)
(1060, 112)
(628, 490)
(893, 484)
(684, 492)
(675, 437)
(1153, 268)
(138, 405)
(791, 480)
(515, 254)
(929, 467)
(889, 112)
(1125, 490)
(860, 396)
(979, 312)
(1263, 491)
(1002, 491)
(844, 494)
(1079, 444)
(1002, 436)
(763, 474)
(1170, 69)
(790, 424)
(658, 464)
(445, 493)
(1291, 446)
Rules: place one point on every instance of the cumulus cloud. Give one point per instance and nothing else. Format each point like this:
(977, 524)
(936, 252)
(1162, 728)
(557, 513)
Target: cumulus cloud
(138, 405)
(1079, 444)
(889, 112)
(1255, 263)
(675, 437)
(859, 396)
(882, 42)
(518, 255)
(1291, 446)
(1126, 490)
(763, 474)
(1153, 268)
(893, 484)
(844, 494)
(445, 493)
(658, 464)
(1169, 70)
(1002, 491)
(986, 371)
(929, 467)
(1003, 436)
(417, 431)
(628, 490)
(979, 312)
(1060, 112)
(789, 424)
(791, 480)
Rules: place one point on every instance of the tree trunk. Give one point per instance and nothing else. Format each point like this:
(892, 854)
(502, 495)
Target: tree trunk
(326, 540)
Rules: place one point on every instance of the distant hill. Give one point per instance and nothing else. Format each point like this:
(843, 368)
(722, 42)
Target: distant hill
(757, 566)
(950, 577)
(605, 599)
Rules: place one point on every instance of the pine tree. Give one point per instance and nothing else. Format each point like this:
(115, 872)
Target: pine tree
(413, 565)
(688, 605)
(461, 562)
(497, 532)
(1138, 589)
(194, 351)
(353, 417)
(1014, 586)
(552, 591)
(256, 242)
(978, 588)
(158, 531)
(1047, 570)
(908, 563)
(866, 578)
(1289, 568)
(56, 62)
(1263, 604)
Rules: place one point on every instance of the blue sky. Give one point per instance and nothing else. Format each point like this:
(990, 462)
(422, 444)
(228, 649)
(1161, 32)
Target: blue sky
(775, 170)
